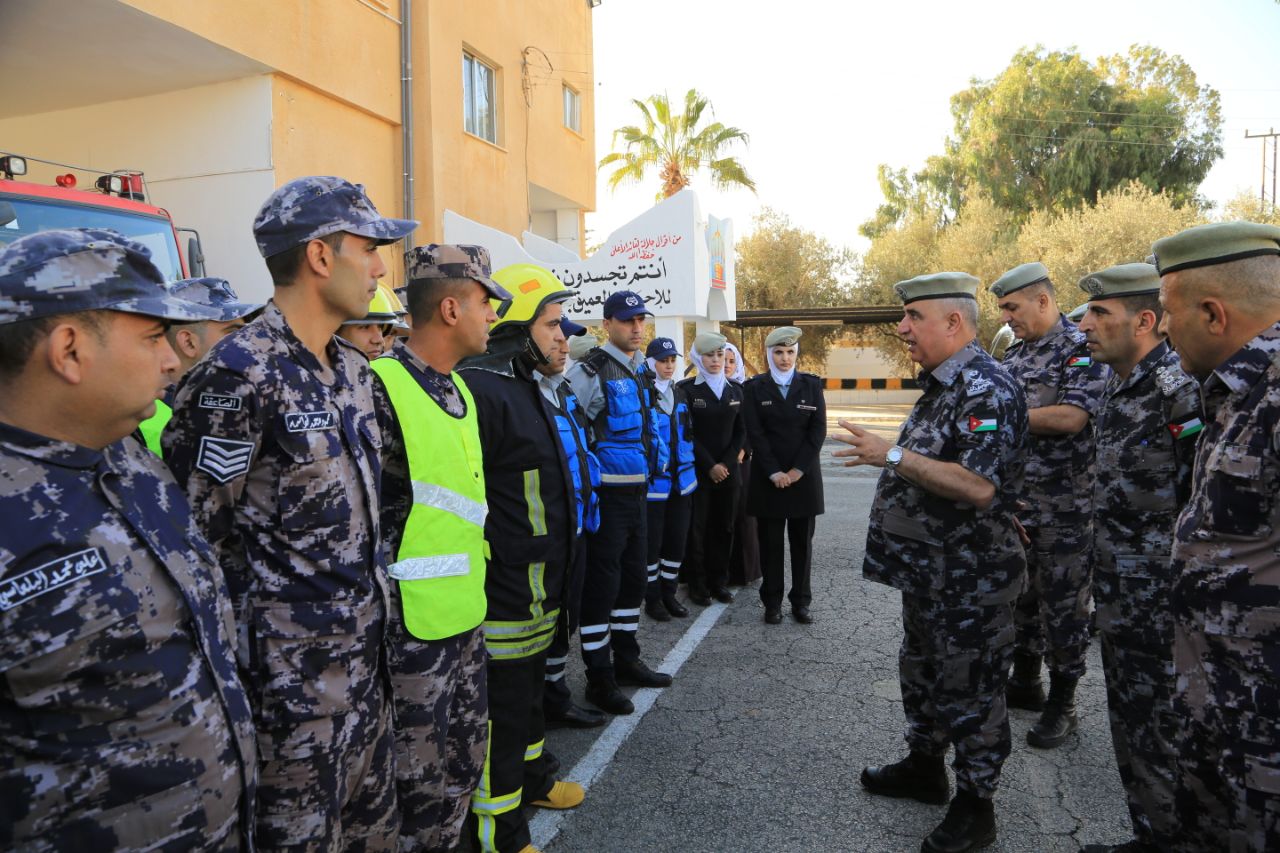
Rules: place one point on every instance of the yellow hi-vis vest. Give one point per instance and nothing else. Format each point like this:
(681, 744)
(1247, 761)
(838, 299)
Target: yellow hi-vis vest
(441, 561)
(154, 425)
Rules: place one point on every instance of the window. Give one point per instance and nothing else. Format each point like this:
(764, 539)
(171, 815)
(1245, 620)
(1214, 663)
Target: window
(480, 112)
(572, 110)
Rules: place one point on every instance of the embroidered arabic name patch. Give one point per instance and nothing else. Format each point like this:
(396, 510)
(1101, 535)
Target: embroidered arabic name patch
(224, 459)
(52, 575)
(308, 421)
(220, 402)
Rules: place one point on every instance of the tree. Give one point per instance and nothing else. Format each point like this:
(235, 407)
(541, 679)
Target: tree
(1119, 229)
(1250, 208)
(1054, 132)
(986, 240)
(675, 146)
(780, 265)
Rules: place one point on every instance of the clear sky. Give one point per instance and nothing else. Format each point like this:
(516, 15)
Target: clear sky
(829, 89)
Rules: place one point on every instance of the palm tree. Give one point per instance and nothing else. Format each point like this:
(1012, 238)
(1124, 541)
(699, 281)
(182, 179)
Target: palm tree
(676, 147)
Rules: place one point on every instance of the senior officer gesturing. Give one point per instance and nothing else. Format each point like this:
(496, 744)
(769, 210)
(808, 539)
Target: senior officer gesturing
(123, 724)
(1220, 288)
(942, 532)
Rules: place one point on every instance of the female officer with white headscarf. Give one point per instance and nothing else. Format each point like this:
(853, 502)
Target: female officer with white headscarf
(715, 405)
(786, 419)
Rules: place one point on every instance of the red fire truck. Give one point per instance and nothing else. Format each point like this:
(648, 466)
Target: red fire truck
(118, 200)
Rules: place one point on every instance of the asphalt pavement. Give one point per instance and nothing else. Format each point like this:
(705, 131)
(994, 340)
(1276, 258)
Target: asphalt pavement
(758, 744)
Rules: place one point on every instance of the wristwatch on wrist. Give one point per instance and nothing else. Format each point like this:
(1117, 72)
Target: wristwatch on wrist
(893, 457)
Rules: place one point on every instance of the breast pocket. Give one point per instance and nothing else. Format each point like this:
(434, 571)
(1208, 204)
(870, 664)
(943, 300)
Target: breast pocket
(1041, 387)
(313, 487)
(304, 660)
(1240, 485)
(81, 658)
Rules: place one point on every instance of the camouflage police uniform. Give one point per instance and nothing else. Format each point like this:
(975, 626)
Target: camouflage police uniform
(280, 457)
(1053, 615)
(1146, 439)
(959, 568)
(1227, 593)
(123, 724)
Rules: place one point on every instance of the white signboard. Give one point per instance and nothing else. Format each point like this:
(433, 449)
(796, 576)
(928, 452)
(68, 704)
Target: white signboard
(670, 255)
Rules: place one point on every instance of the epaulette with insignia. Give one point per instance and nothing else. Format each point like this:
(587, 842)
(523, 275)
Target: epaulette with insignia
(591, 361)
(1170, 379)
(975, 383)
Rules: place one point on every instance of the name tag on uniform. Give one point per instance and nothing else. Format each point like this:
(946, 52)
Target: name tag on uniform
(766, 402)
(308, 421)
(699, 403)
(802, 407)
(52, 575)
(221, 402)
(735, 402)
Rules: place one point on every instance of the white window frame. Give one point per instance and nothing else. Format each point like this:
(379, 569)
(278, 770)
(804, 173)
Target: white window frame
(572, 102)
(479, 114)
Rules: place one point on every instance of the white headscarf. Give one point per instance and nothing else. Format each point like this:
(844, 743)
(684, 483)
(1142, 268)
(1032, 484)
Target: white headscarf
(661, 384)
(779, 376)
(715, 381)
(739, 370)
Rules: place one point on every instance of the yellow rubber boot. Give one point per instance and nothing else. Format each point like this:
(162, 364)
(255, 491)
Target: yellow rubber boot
(563, 795)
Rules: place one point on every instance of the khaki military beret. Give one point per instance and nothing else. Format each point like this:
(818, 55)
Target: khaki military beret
(1122, 280)
(783, 336)
(1023, 275)
(938, 285)
(708, 342)
(1217, 243)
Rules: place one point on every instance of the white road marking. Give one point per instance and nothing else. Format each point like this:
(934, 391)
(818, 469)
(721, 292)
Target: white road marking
(545, 826)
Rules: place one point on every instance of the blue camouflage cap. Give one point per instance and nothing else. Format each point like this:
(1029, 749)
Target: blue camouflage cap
(215, 293)
(443, 261)
(660, 348)
(86, 269)
(310, 208)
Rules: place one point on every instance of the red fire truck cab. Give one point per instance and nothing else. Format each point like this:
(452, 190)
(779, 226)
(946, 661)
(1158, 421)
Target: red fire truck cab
(117, 201)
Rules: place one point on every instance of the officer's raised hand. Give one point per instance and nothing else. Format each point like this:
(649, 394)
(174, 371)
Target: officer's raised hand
(865, 448)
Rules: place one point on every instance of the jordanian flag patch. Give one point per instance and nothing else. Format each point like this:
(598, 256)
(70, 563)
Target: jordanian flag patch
(1183, 429)
(1080, 361)
(982, 424)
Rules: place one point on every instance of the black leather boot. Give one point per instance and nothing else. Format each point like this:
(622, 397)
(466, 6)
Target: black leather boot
(1025, 689)
(669, 600)
(917, 777)
(656, 609)
(603, 692)
(970, 824)
(1059, 717)
(637, 673)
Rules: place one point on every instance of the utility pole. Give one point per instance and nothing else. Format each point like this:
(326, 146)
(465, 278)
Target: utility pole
(1272, 139)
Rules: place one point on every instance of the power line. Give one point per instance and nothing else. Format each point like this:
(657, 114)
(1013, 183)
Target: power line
(1111, 126)
(1100, 141)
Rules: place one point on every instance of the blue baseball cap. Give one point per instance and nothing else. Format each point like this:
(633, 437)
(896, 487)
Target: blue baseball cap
(624, 305)
(570, 328)
(215, 293)
(70, 270)
(310, 208)
(660, 348)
